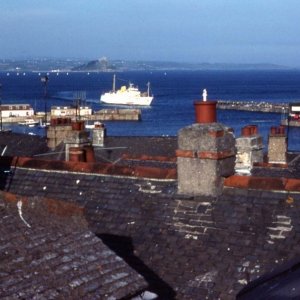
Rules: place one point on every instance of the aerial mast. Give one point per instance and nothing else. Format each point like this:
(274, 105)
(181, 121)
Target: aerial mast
(114, 83)
(148, 90)
(0, 108)
(44, 80)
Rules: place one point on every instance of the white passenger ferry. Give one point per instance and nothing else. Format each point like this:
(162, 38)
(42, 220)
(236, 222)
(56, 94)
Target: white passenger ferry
(127, 95)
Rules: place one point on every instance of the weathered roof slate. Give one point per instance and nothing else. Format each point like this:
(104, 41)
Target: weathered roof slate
(282, 283)
(48, 252)
(186, 247)
(22, 144)
(124, 150)
(138, 146)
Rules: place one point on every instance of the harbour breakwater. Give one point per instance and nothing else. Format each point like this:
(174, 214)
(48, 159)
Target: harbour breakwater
(125, 114)
(254, 106)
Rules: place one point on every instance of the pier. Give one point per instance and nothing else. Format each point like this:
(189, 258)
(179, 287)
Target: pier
(285, 109)
(101, 115)
(125, 114)
(254, 106)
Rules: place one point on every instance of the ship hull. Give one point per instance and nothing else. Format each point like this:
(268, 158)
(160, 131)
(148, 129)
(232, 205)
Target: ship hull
(110, 98)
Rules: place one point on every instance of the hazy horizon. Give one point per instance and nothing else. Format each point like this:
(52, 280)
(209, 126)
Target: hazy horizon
(24, 58)
(191, 31)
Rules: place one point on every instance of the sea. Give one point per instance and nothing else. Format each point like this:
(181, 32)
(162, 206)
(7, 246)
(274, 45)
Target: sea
(174, 94)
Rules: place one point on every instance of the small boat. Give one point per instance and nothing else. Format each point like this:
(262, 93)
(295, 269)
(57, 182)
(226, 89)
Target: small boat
(29, 123)
(94, 125)
(127, 95)
(43, 124)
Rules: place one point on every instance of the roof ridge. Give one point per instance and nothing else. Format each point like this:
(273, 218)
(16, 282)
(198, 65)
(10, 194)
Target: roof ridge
(98, 168)
(263, 183)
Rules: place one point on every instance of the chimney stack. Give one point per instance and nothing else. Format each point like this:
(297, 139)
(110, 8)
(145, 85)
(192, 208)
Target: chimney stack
(249, 149)
(76, 138)
(277, 145)
(206, 152)
(99, 133)
(57, 131)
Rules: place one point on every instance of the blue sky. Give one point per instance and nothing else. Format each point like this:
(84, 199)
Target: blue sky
(215, 31)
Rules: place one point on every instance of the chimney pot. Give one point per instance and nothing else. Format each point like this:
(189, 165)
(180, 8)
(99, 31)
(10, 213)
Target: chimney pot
(78, 125)
(254, 129)
(246, 131)
(273, 130)
(89, 153)
(281, 129)
(76, 154)
(205, 111)
(53, 122)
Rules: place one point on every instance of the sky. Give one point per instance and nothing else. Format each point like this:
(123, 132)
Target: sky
(210, 31)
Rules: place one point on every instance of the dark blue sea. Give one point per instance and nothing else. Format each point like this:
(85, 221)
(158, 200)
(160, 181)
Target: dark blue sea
(174, 91)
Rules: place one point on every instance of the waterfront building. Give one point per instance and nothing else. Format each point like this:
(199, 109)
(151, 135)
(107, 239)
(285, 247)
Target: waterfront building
(294, 112)
(16, 110)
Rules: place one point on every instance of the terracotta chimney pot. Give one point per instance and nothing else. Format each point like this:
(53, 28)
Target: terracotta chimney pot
(76, 154)
(89, 154)
(281, 129)
(273, 130)
(78, 125)
(205, 111)
(246, 131)
(254, 129)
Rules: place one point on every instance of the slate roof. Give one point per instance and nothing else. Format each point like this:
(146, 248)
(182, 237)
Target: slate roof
(291, 170)
(138, 146)
(281, 283)
(185, 247)
(48, 252)
(131, 151)
(126, 151)
(27, 145)
(22, 144)
(139, 151)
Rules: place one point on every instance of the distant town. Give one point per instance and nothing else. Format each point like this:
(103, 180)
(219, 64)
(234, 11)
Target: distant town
(105, 65)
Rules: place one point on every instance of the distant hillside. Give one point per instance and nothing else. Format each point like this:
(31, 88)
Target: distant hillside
(41, 64)
(105, 65)
(100, 65)
(120, 65)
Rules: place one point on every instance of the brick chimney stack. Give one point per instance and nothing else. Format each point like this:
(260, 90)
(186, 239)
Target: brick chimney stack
(277, 145)
(99, 133)
(76, 138)
(57, 131)
(249, 149)
(206, 152)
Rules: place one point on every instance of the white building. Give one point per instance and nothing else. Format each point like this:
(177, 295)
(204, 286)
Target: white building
(295, 112)
(67, 111)
(16, 110)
